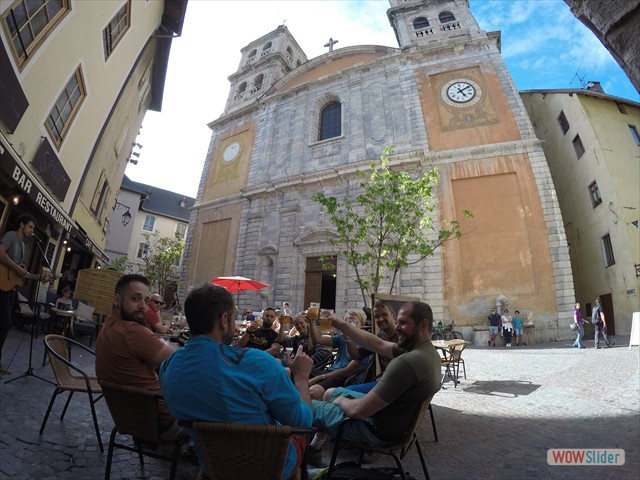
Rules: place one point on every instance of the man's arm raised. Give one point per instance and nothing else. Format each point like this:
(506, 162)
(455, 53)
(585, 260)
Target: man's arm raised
(364, 338)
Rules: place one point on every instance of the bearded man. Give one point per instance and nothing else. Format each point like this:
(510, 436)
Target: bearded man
(128, 352)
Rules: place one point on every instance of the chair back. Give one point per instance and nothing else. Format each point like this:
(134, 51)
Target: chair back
(134, 410)
(234, 451)
(407, 438)
(456, 352)
(58, 353)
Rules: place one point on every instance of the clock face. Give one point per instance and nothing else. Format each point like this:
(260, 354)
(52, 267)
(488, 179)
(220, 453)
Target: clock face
(461, 93)
(231, 152)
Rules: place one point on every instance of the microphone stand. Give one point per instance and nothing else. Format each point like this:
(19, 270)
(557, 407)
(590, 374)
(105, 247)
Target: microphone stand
(34, 321)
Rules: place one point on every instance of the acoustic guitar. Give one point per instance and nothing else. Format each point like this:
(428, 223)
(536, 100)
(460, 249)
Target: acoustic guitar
(9, 279)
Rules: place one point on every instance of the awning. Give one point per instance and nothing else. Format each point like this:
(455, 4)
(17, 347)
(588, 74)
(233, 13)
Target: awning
(30, 186)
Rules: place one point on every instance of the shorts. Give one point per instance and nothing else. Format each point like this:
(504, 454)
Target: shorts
(519, 332)
(493, 330)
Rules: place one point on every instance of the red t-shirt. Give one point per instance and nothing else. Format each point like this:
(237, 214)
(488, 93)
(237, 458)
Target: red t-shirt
(152, 316)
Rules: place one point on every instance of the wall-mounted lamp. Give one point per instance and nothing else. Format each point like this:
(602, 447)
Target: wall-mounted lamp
(68, 249)
(126, 216)
(15, 199)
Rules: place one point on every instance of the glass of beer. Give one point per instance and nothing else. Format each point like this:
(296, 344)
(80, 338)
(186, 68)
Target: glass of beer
(314, 309)
(286, 320)
(325, 321)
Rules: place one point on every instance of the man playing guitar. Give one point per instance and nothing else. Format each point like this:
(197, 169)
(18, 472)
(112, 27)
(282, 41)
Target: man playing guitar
(12, 252)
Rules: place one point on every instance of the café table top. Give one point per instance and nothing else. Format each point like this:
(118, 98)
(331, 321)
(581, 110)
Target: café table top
(446, 344)
(62, 313)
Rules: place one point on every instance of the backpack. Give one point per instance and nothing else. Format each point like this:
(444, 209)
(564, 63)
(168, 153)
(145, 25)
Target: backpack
(595, 315)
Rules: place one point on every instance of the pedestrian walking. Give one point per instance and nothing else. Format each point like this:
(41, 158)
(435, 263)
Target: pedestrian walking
(578, 320)
(600, 325)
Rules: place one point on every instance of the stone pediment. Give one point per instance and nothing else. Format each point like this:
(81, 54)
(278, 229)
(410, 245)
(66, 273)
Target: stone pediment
(319, 236)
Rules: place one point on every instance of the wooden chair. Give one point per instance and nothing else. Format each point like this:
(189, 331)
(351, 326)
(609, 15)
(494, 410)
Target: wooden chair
(398, 450)
(70, 378)
(135, 413)
(448, 364)
(232, 451)
(456, 357)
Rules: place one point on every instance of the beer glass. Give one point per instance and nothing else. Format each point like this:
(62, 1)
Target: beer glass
(325, 321)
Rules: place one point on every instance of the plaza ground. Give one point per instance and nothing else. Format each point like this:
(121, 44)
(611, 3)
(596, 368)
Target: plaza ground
(497, 424)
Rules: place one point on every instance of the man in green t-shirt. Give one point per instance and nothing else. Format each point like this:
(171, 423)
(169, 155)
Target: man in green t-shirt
(386, 412)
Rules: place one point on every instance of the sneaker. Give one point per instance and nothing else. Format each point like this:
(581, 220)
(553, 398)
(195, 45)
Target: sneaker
(314, 457)
(4, 370)
(583, 347)
(524, 343)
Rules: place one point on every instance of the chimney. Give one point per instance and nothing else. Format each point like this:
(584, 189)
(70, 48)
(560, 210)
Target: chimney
(594, 87)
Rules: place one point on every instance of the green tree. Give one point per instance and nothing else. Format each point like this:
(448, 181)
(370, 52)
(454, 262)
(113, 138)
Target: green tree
(121, 264)
(387, 226)
(161, 265)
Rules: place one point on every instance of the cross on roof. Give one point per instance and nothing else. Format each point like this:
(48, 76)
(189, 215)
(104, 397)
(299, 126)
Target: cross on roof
(331, 43)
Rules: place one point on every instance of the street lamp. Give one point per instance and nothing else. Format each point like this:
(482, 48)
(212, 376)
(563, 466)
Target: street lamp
(126, 216)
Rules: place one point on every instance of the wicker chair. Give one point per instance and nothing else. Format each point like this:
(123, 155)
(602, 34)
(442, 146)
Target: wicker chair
(70, 378)
(402, 447)
(135, 412)
(448, 363)
(233, 451)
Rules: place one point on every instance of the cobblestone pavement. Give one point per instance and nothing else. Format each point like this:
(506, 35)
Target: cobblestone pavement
(497, 424)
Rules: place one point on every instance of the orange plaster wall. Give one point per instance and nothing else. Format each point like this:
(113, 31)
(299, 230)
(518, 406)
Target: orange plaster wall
(504, 248)
(228, 178)
(328, 68)
(436, 114)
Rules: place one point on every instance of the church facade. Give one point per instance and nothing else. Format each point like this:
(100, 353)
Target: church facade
(293, 126)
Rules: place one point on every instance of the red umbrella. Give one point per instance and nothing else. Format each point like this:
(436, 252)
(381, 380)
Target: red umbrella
(238, 284)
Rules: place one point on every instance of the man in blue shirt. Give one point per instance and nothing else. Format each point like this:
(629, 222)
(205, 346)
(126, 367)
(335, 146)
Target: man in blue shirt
(211, 380)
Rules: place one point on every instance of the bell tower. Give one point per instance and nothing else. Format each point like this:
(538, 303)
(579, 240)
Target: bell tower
(431, 22)
(264, 61)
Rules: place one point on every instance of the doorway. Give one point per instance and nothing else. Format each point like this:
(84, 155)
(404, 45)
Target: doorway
(607, 309)
(320, 282)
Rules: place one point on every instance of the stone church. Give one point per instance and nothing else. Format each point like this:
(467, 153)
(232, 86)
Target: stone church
(293, 126)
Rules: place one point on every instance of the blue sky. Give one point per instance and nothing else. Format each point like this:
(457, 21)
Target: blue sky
(543, 46)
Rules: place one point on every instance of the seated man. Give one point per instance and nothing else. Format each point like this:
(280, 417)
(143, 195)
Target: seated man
(344, 365)
(152, 314)
(213, 381)
(385, 413)
(263, 337)
(128, 353)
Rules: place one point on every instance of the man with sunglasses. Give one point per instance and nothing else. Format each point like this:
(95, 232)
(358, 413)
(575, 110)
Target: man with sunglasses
(152, 314)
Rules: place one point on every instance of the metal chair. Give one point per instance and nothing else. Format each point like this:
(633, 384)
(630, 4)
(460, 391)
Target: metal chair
(135, 413)
(448, 364)
(70, 378)
(456, 356)
(402, 447)
(235, 451)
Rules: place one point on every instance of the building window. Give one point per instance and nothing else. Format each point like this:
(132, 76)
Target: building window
(577, 146)
(607, 251)
(330, 121)
(621, 108)
(149, 222)
(420, 23)
(445, 17)
(634, 134)
(181, 229)
(267, 46)
(28, 23)
(564, 123)
(66, 107)
(258, 81)
(143, 250)
(594, 192)
(116, 29)
(242, 87)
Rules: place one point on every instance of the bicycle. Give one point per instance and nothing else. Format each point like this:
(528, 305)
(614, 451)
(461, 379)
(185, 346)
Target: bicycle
(445, 333)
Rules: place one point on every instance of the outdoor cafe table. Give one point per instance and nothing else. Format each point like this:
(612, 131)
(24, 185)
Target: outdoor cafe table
(67, 317)
(447, 347)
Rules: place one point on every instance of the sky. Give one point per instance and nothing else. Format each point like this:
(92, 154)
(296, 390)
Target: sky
(543, 45)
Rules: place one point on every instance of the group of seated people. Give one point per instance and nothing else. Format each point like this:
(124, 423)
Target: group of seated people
(252, 382)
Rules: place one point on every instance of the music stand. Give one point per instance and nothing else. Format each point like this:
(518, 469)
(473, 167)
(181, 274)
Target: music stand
(36, 314)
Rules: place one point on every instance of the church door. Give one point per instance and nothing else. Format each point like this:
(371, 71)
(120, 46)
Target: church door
(320, 283)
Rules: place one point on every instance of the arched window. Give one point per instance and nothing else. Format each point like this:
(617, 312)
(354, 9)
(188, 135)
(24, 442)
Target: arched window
(242, 87)
(289, 51)
(267, 46)
(298, 63)
(420, 23)
(253, 53)
(445, 17)
(330, 121)
(258, 81)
